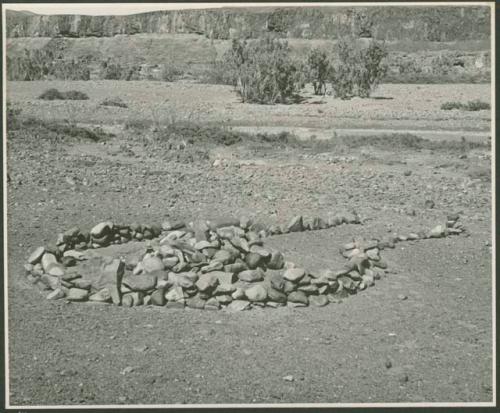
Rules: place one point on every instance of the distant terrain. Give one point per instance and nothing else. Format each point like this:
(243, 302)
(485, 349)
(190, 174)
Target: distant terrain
(426, 45)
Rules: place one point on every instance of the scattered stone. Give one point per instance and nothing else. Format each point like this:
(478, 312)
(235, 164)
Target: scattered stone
(275, 295)
(298, 297)
(207, 282)
(253, 260)
(318, 300)
(143, 282)
(196, 302)
(251, 275)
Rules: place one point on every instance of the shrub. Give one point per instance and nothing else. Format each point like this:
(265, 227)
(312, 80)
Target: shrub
(113, 71)
(54, 94)
(318, 70)
(262, 71)
(357, 71)
(171, 72)
(472, 105)
(114, 102)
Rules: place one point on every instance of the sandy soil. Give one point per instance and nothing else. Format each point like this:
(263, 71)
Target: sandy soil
(439, 339)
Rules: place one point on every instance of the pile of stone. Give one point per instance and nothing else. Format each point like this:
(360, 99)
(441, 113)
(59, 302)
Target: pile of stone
(207, 265)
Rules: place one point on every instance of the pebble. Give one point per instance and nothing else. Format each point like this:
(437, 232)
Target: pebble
(402, 297)
(289, 378)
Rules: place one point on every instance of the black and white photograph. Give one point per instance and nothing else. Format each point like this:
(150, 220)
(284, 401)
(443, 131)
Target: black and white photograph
(249, 205)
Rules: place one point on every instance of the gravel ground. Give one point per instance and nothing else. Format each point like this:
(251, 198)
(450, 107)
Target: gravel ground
(438, 340)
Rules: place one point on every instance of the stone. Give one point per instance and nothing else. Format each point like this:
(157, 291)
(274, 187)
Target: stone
(101, 296)
(320, 281)
(56, 269)
(77, 294)
(354, 275)
(235, 268)
(68, 261)
(152, 263)
(298, 297)
(308, 289)
(225, 289)
(324, 289)
(184, 281)
(373, 254)
(171, 225)
(256, 293)
(170, 262)
(437, 232)
(275, 295)
(318, 300)
(240, 243)
(238, 294)
(56, 294)
(176, 304)
(380, 264)
(252, 260)
(36, 255)
(50, 281)
(245, 222)
(47, 260)
(224, 277)
(263, 252)
(429, 204)
(274, 230)
(158, 297)
(306, 280)
(224, 299)
(196, 302)
(289, 287)
(224, 256)
(251, 275)
(276, 261)
(295, 225)
(207, 282)
(368, 279)
(351, 253)
(174, 294)
(212, 304)
(82, 284)
(143, 282)
(127, 300)
(412, 236)
(277, 281)
(201, 245)
(238, 305)
(294, 274)
(101, 229)
(347, 283)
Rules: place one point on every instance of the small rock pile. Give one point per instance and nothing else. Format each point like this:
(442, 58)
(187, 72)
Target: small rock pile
(207, 265)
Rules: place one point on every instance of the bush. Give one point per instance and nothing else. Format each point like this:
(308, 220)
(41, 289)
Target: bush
(472, 105)
(262, 71)
(171, 72)
(318, 70)
(54, 94)
(356, 70)
(114, 102)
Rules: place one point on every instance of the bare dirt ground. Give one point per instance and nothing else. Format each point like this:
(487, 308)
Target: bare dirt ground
(439, 339)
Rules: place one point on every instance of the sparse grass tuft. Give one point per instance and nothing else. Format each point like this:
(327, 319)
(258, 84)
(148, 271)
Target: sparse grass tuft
(116, 101)
(472, 105)
(54, 94)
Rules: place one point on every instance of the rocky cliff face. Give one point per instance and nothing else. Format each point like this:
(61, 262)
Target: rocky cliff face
(388, 23)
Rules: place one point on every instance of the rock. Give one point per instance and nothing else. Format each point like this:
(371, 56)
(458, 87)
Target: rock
(36, 255)
(47, 260)
(176, 304)
(68, 261)
(240, 243)
(306, 280)
(251, 275)
(171, 225)
(388, 363)
(174, 294)
(295, 225)
(238, 294)
(207, 282)
(308, 289)
(224, 277)
(144, 282)
(320, 281)
(274, 230)
(56, 269)
(354, 275)
(225, 289)
(429, 204)
(224, 256)
(101, 229)
(294, 274)
(351, 253)
(253, 260)
(77, 294)
(288, 378)
(238, 305)
(380, 264)
(158, 297)
(402, 297)
(289, 287)
(245, 222)
(318, 300)
(212, 304)
(214, 224)
(152, 263)
(368, 280)
(50, 281)
(235, 268)
(275, 295)
(276, 261)
(224, 299)
(324, 289)
(373, 254)
(412, 236)
(277, 281)
(256, 293)
(169, 262)
(82, 284)
(196, 302)
(101, 296)
(56, 294)
(437, 232)
(298, 297)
